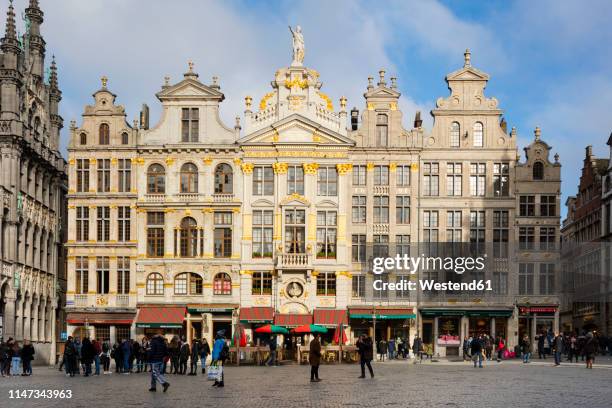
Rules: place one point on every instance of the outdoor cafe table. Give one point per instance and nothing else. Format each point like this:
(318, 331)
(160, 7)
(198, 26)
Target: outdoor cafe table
(256, 351)
(348, 349)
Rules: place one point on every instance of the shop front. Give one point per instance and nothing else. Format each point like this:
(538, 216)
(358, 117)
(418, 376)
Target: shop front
(382, 322)
(535, 320)
(253, 318)
(331, 318)
(205, 320)
(445, 330)
(101, 326)
(169, 319)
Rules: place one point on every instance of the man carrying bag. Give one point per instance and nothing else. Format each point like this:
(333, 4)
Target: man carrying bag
(220, 353)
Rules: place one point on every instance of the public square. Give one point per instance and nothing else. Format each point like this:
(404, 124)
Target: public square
(396, 384)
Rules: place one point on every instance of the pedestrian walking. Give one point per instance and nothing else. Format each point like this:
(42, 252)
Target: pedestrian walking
(184, 354)
(204, 353)
(391, 348)
(87, 355)
(27, 355)
(573, 348)
(126, 351)
(16, 359)
(117, 355)
(70, 358)
(195, 356)
(97, 352)
(5, 360)
(220, 353)
(105, 357)
(366, 354)
(314, 358)
(382, 349)
(589, 349)
(476, 350)
(417, 349)
(526, 348)
(272, 359)
(156, 354)
(558, 348)
(174, 350)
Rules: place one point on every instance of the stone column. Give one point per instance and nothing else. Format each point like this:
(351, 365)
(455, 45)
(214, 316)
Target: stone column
(34, 320)
(493, 327)
(93, 225)
(112, 277)
(113, 334)
(92, 281)
(114, 227)
(41, 320)
(556, 321)
(53, 333)
(534, 326)
(208, 233)
(435, 335)
(27, 310)
(9, 316)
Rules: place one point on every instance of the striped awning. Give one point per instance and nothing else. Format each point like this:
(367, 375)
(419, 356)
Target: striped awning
(167, 317)
(292, 320)
(256, 314)
(330, 317)
(100, 318)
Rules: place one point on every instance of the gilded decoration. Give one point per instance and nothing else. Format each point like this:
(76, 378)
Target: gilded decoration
(344, 168)
(311, 168)
(247, 168)
(369, 166)
(280, 168)
(264, 101)
(328, 102)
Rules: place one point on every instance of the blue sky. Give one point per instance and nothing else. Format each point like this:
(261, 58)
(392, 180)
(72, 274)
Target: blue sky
(549, 61)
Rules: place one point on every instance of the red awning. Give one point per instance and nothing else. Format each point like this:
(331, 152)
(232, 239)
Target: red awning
(161, 316)
(330, 317)
(100, 318)
(292, 320)
(256, 314)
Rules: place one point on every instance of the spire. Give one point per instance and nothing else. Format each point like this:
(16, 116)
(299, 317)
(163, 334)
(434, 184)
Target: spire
(10, 44)
(11, 31)
(467, 55)
(190, 72)
(53, 72)
(34, 4)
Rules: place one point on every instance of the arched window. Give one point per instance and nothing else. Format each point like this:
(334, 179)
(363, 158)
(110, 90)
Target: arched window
(188, 284)
(224, 178)
(454, 134)
(83, 138)
(156, 179)
(189, 237)
(382, 130)
(538, 171)
(125, 139)
(189, 178)
(155, 284)
(104, 134)
(478, 134)
(222, 284)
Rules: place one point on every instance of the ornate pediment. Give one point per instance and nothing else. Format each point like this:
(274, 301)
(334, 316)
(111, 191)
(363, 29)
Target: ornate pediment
(190, 89)
(467, 74)
(295, 200)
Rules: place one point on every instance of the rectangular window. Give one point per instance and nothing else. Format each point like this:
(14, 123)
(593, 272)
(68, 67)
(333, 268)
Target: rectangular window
(500, 233)
(384, 292)
(358, 286)
(402, 245)
(223, 234)
(527, 206)
(402, 293)
(547, 238)
(82, 223)
(430, 179)
(262, 283)
(326, 284)
(547, 278)
(501, 179)
(359, 248)
(326, 234)
(295, 180)
(103, 175)
(123, 275)
(359, 209)
(123, 223)
(83, 175)
(454, 179)
(477, 230)
(381, 175)
(81, 269)
(262, 233)
(526, 238)
(526, 278)
(430, 226)
(381, 209)
(402, 210)
(548, 206)
(102, 274)
(103, 223)
(263, 180)
(295, 231)
(327, 181)
(477, 179)
(453, 226)
(381, 246)
(402, 176)
(359, 175)
(155, 234)
(125, 175)
(190, 124)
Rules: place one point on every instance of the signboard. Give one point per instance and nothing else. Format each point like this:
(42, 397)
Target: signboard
(64, 336)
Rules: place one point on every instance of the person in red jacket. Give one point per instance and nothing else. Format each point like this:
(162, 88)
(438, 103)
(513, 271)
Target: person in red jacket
(98, 351)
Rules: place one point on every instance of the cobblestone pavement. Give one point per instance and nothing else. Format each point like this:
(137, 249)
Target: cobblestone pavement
(397, 384)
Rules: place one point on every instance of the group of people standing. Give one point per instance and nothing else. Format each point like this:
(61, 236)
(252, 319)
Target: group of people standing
(16, 359)
(585, 345)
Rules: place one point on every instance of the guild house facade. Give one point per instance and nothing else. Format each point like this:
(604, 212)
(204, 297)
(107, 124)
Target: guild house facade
(32, 190)
(193, 226)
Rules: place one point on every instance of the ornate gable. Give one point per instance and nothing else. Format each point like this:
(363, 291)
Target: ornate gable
(190, 88)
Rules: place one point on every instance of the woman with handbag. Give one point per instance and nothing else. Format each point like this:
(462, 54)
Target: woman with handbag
(220, 353)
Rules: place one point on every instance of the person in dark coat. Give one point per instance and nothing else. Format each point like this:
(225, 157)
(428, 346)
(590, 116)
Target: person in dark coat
(27, 355)
(126, 350)
(314, 358)
(117, 355)
(174, 350)
(541, 351)
(195, 356)
(417, 348)
(4, 357)
(156, 354)
(365, 347)
(70, 357)
(526, 348)
(87, 355)
(204, 353)
(184, 354)
(558, 348)
(589, 349)
(476, 350)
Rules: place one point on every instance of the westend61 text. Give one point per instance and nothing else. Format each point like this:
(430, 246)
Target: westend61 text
(428, 285)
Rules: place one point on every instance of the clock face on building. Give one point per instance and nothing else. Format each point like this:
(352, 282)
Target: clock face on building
(295, 289)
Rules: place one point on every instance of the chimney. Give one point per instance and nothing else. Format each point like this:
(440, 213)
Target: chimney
(144, 117)
(354, 119)
(418, 122)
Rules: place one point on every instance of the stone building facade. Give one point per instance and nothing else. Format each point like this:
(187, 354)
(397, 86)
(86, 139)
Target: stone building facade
(277, 219)
(32, 190)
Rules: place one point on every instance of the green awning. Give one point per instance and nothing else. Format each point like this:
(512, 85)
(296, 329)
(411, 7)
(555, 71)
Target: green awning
(489, 313)
(383, 316)
(442, 312)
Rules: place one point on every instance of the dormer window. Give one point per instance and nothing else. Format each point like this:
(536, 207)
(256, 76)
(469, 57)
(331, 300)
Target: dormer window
(125, 138)
(83, 138)
(382, 130)
(104, 134)
(538, 171)
(190, 123)
(478, 134)
(454, 134)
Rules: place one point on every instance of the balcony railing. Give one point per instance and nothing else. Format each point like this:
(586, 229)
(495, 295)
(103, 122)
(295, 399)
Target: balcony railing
(293, 261)
(380, 228)
(155, 198)
(81, 300)
(223, 197)
(122, 301)
(381, 190)
(188, 197)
